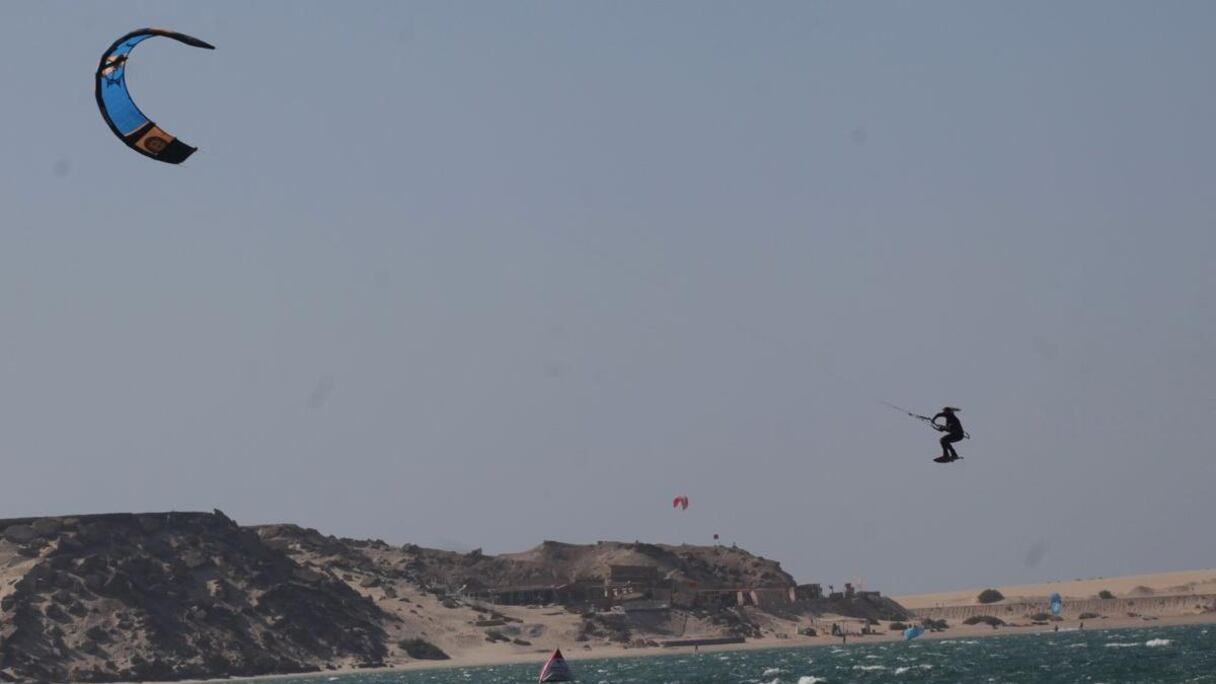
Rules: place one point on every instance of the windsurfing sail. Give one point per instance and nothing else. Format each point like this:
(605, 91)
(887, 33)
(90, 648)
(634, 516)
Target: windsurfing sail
(913, 632)
(1057, 604)
(125, 119)
(556, 669)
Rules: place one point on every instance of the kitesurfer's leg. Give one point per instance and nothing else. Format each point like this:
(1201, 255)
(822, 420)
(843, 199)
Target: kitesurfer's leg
(948, 444)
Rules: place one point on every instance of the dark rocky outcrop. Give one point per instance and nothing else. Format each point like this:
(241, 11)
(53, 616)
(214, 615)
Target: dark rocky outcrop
(170, 596)
(421, 650)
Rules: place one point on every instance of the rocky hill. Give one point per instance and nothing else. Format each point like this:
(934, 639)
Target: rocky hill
(554, 562)
(168, 596)
(165, 596)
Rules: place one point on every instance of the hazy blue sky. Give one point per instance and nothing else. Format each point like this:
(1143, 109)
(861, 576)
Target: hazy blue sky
(482, 274)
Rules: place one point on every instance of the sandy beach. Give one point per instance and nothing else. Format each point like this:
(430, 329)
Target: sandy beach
(1190, 583)
(485, 657)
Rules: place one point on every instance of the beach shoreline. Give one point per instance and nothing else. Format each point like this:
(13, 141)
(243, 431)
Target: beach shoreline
(575, 656)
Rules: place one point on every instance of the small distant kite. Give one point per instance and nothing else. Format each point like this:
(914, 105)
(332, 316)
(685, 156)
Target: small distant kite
(680, 502)
(119, 110)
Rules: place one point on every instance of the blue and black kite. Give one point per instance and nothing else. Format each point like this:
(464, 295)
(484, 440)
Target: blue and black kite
(119, 110)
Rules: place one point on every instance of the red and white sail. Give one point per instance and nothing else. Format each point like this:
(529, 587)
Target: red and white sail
(556, 669)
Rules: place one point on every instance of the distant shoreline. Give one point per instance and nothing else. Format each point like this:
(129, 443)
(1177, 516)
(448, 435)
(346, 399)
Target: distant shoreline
(576, 656)
(273, 599)
(1160, 584)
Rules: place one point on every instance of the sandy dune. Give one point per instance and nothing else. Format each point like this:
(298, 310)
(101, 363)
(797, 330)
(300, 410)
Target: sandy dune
(1130, 586)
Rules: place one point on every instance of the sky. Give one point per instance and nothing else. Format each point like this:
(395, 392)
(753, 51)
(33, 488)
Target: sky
(484, 274)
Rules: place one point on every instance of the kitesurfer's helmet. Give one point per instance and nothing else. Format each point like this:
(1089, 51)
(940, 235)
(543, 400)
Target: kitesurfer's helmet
(950, 409)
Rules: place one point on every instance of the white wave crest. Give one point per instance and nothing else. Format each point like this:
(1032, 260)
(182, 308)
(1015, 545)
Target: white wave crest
(1153, 643)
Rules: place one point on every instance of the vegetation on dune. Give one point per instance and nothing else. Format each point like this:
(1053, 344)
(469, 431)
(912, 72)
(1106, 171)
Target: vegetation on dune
(990, 596)
(419, 649)
(935, 625)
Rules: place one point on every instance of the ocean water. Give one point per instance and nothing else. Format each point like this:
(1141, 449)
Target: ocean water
(1172, 654)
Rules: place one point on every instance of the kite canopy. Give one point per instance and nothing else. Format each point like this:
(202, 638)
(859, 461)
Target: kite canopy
(119, 110)
(680, 502)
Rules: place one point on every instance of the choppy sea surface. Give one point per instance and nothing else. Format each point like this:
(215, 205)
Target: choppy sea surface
(1170, 654)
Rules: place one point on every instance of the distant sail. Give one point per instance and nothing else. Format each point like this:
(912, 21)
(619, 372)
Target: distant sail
(913, 632)
(1057, 604)
(556, 669)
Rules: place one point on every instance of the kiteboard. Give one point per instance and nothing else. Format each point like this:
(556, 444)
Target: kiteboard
(943, 459)
(556, 669)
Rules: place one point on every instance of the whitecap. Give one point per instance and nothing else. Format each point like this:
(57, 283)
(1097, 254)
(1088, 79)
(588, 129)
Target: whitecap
(811, 680)
(771, 672)
(1151, 643)
(869, 668)
(1117, 644)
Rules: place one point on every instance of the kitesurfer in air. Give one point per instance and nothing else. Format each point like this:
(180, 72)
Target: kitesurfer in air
(954, 433)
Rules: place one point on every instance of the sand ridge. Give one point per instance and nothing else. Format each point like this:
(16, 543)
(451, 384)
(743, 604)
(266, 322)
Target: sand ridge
(1186, 582)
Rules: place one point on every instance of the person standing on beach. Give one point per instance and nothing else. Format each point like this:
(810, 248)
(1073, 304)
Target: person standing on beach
(954, 433)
